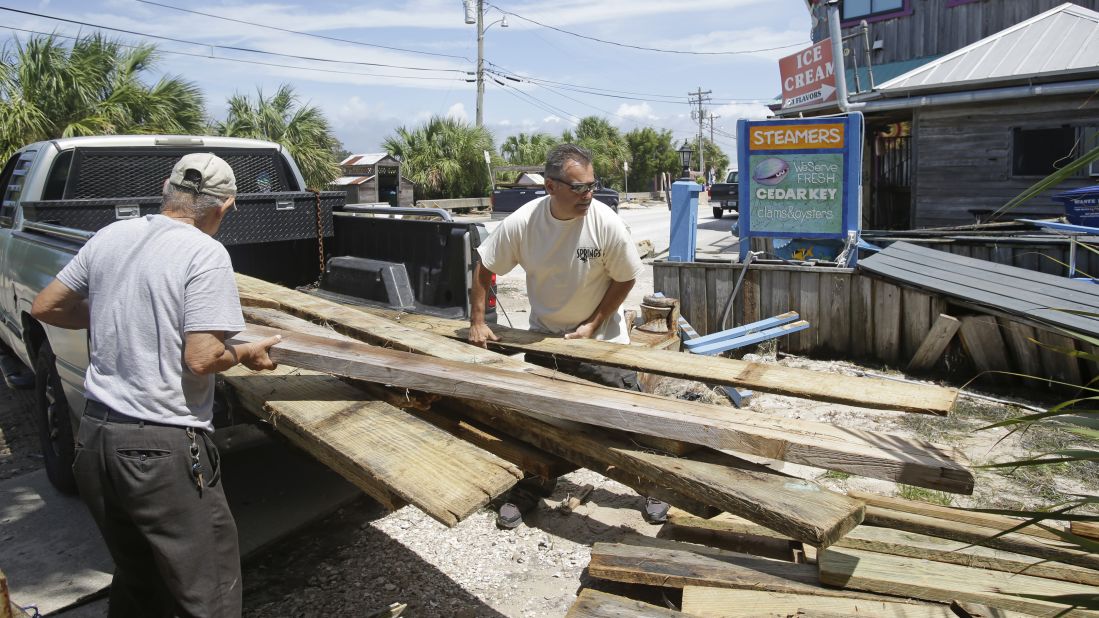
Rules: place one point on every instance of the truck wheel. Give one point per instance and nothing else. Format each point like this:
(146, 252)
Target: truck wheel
(718, 212)
(54, 426)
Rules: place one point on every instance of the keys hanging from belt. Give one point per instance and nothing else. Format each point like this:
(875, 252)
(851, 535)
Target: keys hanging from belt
(196, 463)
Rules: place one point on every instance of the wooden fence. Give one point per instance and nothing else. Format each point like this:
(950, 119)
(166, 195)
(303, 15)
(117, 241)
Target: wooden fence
(857, 316)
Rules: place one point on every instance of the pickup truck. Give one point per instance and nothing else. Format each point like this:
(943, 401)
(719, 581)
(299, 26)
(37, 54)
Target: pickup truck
(725, 195)
(54, 195)
(510, 199)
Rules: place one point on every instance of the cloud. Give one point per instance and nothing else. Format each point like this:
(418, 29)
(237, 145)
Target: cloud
(457, 112)
(640, 111)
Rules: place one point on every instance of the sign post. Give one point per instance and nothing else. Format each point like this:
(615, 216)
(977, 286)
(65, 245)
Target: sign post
(801, 179)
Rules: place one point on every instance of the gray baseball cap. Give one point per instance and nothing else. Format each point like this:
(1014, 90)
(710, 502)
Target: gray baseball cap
(216, 178)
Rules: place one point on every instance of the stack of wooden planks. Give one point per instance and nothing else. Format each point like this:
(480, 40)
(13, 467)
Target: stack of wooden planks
(414, 416)
(908, 559)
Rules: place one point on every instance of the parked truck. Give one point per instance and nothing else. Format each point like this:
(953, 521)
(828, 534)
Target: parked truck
(725, 196)
(509, 197)
(57, 194)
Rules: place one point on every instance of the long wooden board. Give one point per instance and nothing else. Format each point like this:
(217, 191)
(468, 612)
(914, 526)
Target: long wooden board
(864, 453)
(949, 513)
(596, 604)
(936, 581)
(862, 392)
(408, 331)
(980, 535)
(708, 602)
(801, 509)
(676, 568)
(897, 543)
(392, 456)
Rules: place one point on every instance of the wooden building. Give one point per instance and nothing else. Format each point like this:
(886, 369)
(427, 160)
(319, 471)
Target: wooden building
(373, 179)
(967, 103)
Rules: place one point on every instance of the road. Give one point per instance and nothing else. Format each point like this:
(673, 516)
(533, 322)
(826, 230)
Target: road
(647, 221)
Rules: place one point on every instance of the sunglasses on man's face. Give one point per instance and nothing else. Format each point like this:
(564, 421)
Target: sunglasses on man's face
(579, 188)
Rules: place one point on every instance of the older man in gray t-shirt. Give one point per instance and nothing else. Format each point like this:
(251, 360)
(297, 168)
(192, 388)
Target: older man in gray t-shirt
(158, 297)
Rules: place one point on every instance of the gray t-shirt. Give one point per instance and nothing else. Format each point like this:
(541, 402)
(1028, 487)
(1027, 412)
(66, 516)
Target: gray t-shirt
(148, 281)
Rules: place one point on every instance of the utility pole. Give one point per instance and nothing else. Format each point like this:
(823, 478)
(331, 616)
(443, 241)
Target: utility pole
(699, 97)
(480, 62)
(712, 119)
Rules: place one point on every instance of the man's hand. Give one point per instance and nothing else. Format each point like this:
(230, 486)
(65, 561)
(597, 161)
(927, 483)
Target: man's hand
(480, 334)
(257, 357)
(584, 331)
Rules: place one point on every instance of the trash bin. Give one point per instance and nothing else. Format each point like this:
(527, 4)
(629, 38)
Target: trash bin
(1081, 205)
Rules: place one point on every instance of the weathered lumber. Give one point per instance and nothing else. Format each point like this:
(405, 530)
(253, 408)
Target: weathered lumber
(801, 509)
(392, 456)
(708, 602)
(963, 609)
(816, 444)
(1087, 529)
(990, 520)
(392, 334)
(888, 541)
(863, 392)
(934, 344)
(410, 333)
(725, 482)
(983, 342)
(936, 581)
(676, 568)
(588, 447)
(596, 604)
(980, 535)
(530, 459)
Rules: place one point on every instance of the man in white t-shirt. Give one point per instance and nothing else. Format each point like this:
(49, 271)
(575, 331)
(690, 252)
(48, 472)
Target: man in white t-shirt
(580, 264)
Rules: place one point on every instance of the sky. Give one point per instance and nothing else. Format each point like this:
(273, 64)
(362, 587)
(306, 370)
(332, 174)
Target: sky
(539, 77)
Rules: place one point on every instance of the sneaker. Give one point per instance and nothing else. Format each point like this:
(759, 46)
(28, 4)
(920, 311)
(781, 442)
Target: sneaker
(655, 511)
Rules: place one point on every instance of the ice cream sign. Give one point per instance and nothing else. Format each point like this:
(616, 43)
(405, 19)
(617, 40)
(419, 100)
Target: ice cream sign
(799, 177)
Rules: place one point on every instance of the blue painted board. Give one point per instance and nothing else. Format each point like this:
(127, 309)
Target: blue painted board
(752, 338)
(740, 331)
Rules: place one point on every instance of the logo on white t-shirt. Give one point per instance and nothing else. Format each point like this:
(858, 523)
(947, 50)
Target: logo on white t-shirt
(587, 253)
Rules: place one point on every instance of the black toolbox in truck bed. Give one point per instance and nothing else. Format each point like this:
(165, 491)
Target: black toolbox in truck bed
(259, 217)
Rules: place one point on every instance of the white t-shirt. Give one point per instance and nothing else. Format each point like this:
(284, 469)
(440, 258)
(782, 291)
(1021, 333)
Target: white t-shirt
(150, 281)
(569, 264)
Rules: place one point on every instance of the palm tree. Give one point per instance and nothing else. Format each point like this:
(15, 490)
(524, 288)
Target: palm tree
(281, 118)
(444, 157)
(608, 148)
(527, 149)
(94, 87)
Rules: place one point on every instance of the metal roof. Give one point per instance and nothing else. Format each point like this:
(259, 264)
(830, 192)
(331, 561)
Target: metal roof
(365, 159)
(344, 181)
(1061, 43)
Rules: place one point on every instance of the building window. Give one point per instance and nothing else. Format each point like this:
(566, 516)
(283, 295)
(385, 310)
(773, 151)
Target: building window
(854, 9)
(1040, 152)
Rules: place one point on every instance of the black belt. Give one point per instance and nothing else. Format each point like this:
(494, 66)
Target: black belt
(99, 411)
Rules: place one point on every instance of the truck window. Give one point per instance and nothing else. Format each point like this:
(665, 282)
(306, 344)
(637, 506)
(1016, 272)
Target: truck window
(59, 175)
(11, 185)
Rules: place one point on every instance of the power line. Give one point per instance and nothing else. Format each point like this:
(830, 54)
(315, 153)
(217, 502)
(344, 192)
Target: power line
(255, 62)
(672, 98)
(652, 49)
(298, 32)
(230, 47)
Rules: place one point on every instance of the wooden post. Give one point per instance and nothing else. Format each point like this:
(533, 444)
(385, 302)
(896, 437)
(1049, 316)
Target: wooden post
(934, 344)
(982, 341)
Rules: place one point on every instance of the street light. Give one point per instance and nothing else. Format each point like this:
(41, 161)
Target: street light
(685, 154)
(475, 14)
